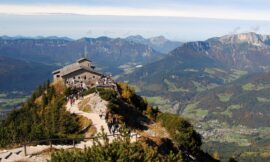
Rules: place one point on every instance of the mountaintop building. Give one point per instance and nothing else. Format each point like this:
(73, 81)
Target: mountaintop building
(81, 74)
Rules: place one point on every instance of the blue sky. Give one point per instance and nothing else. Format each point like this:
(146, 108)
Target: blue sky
(183, 20)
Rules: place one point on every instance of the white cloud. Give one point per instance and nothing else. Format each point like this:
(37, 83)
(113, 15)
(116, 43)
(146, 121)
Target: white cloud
(183, 11)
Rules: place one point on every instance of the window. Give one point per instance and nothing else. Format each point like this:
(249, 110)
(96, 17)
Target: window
(85, 77)
(94, 76)
(79, 77)
(58, 76)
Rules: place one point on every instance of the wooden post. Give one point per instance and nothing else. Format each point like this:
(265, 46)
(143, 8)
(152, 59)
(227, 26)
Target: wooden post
(136, 137)
(50, 145)
(24, 148)
(73, 143)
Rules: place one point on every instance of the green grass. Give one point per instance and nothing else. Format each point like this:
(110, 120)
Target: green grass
(262, 153)
(248, 87)
(191, 70)
(135, 87)
(239, 72)
(128, 68)
(11, 99)
(255, 87)
(115, 77)
(193, 112)
(156, 100)
(225, 97)
(235, 74)
(2, 95)
(234, 137)
(172, 88)
(85, 108)
(264, 129)
(162, 103)
(214, 70)
(230, 109)
(13, 102)
(210, 70)
(226, 133)
(211, 86)
(199, 86)
(263, 100)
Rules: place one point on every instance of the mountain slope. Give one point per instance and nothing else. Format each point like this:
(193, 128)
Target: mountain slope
(245, 101)
(234, 117)
(21, 75)
(202, 65)
(181, 75)
(109, 53)
(247, 51)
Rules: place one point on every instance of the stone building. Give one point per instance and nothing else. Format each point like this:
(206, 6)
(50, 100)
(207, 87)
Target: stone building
(79, 74)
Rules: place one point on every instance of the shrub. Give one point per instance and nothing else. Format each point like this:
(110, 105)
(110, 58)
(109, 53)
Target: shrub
(181, 131)
(121, 149)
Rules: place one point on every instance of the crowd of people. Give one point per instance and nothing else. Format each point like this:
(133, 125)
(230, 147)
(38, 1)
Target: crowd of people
(113, 126)
(106, 81)
(112, 122)
(75, 95)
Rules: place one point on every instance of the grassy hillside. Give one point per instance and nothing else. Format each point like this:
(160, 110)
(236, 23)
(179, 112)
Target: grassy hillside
(244, 102)
(180, 77)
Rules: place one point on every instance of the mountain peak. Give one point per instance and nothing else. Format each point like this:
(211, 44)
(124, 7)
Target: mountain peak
(136, 38)
(197, 46)
(158, 40)
(250, 38)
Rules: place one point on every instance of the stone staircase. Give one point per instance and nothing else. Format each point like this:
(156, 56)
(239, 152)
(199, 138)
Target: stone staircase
(12, 155)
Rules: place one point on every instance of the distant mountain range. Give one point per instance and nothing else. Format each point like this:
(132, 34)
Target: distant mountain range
(37, 37)
(159, 43)
(113, 55)
(107, 53)
(218, 57)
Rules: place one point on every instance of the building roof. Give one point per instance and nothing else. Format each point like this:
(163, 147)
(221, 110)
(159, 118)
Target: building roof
(68, 69)
(56, 71)
(83, 59)
(75, 67)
